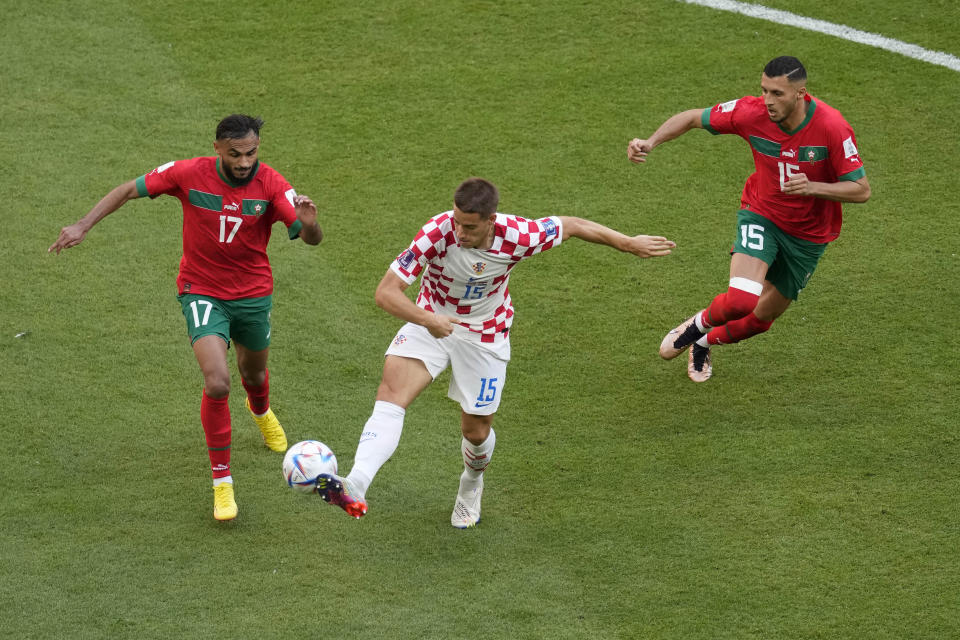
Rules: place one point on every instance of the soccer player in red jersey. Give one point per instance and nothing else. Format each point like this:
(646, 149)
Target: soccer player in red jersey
(230, 202)
(461, 319)
(807, 164)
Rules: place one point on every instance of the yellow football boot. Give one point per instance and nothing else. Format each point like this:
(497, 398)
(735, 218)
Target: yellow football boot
(224, 506)
(273, 435)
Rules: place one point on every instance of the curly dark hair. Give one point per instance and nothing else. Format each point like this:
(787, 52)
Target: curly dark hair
(238, 125)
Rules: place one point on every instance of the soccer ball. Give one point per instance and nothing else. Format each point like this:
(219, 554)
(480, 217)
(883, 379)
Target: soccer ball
(306, 460)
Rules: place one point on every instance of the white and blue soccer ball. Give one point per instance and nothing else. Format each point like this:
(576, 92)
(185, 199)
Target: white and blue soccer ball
(306, 460)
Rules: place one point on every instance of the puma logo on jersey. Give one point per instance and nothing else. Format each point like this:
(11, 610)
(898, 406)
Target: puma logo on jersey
(231, 207)
(788, 153)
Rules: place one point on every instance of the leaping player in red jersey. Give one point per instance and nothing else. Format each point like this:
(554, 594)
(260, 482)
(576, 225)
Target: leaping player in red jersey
(230, 202)
(461, 319)
(807, 163)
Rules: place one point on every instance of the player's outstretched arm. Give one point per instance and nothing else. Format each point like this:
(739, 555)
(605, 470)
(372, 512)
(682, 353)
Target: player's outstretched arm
(674, 127)
(74, 234)
(391, 297)
(310, 232)
(641, 246)
(857, 191)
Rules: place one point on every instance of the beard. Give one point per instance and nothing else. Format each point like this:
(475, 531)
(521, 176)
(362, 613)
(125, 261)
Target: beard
(233, 176)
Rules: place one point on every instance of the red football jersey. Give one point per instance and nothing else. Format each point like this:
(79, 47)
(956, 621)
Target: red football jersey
(823, 147)
(226, 225)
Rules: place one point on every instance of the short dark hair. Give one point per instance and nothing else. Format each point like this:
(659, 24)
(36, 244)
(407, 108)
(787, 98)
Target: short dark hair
(786, 66)
(238, 125)
(476, 195)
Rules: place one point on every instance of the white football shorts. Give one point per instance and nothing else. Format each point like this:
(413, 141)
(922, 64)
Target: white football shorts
(477, 375)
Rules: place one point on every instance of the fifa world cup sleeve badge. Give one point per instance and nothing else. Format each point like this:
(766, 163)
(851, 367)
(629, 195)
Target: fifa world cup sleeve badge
(406, 259)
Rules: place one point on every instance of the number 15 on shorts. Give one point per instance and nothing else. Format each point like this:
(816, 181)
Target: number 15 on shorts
(488, 392)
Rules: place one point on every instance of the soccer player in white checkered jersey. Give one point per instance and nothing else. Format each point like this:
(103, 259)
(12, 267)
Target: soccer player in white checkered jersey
(461, 319)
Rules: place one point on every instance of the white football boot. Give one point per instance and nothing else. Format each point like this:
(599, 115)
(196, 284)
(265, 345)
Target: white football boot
(466, 511)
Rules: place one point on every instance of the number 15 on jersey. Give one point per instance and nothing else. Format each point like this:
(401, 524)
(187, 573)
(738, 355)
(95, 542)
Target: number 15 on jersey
(787, 172)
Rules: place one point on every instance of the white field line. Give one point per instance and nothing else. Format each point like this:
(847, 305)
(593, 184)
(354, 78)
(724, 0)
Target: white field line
(836, 30)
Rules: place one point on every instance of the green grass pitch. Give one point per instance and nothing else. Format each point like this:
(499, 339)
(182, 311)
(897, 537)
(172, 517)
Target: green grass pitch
(809, 490)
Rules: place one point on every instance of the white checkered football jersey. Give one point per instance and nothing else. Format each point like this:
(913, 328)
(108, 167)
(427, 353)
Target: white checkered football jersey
(472, 284)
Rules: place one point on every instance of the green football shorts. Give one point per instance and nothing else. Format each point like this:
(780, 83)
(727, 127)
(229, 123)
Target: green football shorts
(246, 320)
(792, 260)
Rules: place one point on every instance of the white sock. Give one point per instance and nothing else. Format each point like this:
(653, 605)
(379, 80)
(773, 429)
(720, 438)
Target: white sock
(703, 342)
(379, 440)
(476, 457)
(219, 481)
(702, 327)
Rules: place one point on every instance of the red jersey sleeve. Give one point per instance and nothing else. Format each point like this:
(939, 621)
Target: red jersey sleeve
(161, 180)
(281, 202)
(845, 156)
(724, 117)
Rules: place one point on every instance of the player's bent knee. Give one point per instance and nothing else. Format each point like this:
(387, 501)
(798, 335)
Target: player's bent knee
(740, 309)
(254, 378)
(476, 429)
(395, 394)
(216, 386)
(742, 298)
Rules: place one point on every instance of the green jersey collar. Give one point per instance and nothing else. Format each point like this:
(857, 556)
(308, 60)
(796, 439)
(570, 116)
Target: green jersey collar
(811, 107)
